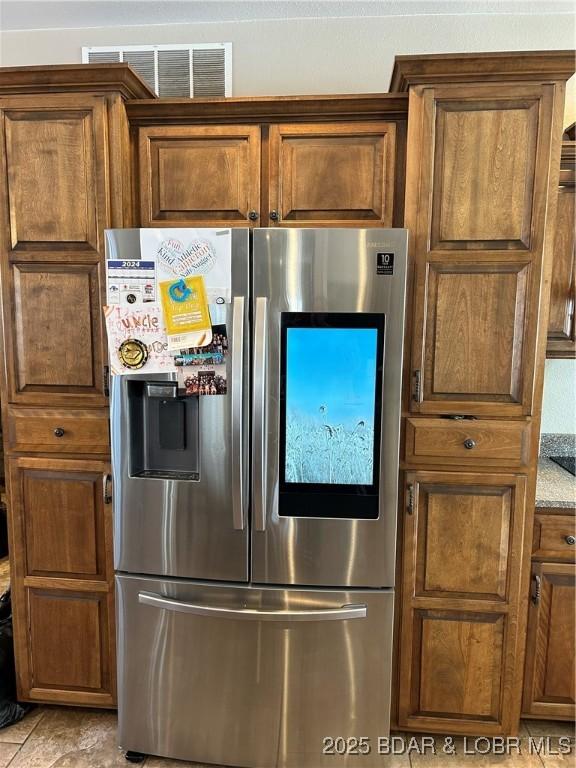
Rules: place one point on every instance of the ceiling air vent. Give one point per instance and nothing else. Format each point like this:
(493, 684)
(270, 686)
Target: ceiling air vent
(173, 70)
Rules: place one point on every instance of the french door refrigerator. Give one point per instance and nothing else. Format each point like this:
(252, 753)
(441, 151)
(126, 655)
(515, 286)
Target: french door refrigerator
(255, 531)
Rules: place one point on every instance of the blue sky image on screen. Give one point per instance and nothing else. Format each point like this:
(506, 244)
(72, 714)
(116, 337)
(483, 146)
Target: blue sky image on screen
(330, 389)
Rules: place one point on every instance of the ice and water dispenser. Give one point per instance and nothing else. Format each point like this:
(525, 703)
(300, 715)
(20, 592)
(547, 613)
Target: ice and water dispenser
(164, 431)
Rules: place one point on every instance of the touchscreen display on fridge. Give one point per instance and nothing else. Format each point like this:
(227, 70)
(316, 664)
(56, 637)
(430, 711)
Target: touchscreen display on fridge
(331, 389)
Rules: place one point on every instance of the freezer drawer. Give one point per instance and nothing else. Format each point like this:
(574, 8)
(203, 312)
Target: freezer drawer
(236, 675)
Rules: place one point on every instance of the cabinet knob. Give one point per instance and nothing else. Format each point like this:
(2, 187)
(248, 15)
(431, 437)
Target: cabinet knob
(59, 432)
(253, 215)
(274, 215)
(469, 443)
(570, 540)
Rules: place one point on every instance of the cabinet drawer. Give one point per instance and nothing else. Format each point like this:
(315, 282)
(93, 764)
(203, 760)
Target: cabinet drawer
(58, 431)
(467, 441)
(552, 537)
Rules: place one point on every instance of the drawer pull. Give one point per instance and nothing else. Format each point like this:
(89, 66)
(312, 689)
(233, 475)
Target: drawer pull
(59, 432)
(570, 540)
(107, 489)
(417, 386)
(537, 589)
(410, 501)
(469, 443)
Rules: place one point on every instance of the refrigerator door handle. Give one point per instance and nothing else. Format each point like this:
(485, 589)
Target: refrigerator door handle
(259, 414)
(237, 414)
(249, 614)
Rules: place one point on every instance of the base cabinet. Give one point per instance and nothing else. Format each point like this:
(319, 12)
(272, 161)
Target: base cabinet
(70, 659)
(62, 580)
(457, 667)
(550, 687)
(550, 670)
(463, 537)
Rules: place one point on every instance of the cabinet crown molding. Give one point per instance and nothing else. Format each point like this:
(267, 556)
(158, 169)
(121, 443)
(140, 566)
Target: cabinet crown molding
(60, 78)
(261, 109)
(481, 67)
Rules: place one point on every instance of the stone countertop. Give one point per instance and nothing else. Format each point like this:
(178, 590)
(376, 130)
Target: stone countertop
(555, 486)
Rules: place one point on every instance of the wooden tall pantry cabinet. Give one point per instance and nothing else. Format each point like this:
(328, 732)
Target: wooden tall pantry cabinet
(482, 170)
(63, 174)
(465, 152)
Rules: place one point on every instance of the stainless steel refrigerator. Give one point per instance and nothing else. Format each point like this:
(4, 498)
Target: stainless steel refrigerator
(254, 532)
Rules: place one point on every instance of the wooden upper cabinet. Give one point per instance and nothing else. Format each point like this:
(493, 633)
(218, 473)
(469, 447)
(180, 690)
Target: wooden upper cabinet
(54, 345)
(54, 208)
(550, 688)
(561, 325)
(463, 538)
(476, 206)
(200, 176)
(473, 344)
(315, 174)
(55, 157)
(483, 174)
(332, 174)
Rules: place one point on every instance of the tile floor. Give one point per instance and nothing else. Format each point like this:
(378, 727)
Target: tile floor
(61, 737)
(4, 574)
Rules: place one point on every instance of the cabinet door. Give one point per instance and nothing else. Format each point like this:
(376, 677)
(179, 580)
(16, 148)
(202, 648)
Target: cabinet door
(476, 206)
(53, 342)
(561, 330)
(549, 687)
(332, 174)
(199, 176)
(54, 208)
(463, 539)
(62, 580)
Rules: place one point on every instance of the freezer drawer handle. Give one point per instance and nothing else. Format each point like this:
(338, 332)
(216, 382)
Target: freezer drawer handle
(249, 614)
(237, 395)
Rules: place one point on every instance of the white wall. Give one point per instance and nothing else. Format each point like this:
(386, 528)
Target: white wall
(333, 56)
(559, 406)
(298, 56)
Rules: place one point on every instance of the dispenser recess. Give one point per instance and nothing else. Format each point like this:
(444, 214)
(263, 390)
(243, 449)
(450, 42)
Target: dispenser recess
(163, 431)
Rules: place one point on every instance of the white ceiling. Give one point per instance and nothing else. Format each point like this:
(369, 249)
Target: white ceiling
(72, 14)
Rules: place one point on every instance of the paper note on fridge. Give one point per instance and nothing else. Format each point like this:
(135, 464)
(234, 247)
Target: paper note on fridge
(188, 252)
(186, 313)
(130, 281)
